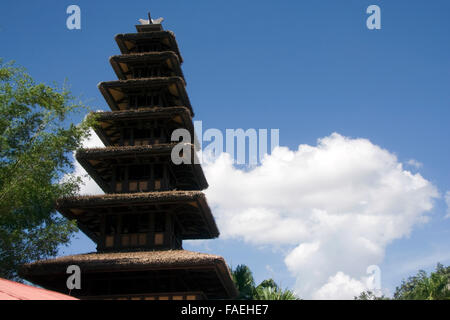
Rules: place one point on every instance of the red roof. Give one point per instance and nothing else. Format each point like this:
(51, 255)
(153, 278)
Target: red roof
(10, 290)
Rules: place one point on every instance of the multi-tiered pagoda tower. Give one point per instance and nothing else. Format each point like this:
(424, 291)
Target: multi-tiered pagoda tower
(150, 204)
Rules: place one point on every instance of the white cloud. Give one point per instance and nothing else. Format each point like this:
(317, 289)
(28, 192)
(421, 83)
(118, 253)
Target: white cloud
(93, 141)
(337, 204)
(414, 163)
(340, 286)
(89, 187)
(447, 201)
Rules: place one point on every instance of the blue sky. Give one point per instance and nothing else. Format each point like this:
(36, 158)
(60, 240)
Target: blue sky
(309, 68)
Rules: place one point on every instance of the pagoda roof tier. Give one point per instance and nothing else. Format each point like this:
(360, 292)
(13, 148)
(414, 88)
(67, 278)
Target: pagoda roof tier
(140, 93)
(190, 209)
(143, 272)
(100, 163)
(149, 27)
(163, 40)
(110, 123)
(125, 64)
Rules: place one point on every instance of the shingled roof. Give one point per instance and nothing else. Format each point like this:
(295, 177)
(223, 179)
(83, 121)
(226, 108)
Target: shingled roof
(98, 162)
(201, 265)
(11, 290)
(128, 42)
(190, 208)
(110, 123)
(117, 92)
(122, 63)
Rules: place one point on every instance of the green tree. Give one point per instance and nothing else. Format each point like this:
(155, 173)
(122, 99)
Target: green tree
(266, 290)
(370, 295)
(422, 286)
(273, 293)
(36, 143)
(268, 283)
(243, 279)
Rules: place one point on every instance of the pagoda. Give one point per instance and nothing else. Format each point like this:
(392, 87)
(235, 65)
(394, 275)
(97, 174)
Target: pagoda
(150, 204)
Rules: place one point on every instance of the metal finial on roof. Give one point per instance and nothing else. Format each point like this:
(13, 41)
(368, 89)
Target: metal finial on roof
(151, 21)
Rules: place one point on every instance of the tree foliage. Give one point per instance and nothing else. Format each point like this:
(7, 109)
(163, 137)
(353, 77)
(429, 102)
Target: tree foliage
(421, 286)
(370, 295)
(266, 290)
(435, 286)
(243, 279)
(274, 293)
(36, 142)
